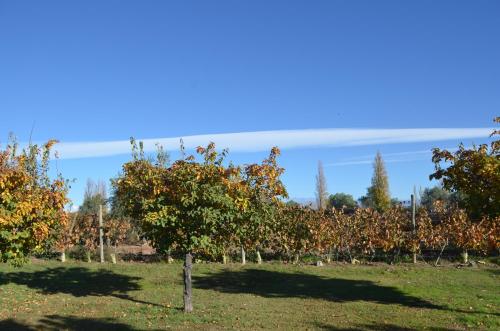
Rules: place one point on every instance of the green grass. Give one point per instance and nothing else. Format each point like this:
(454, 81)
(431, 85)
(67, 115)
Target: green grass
(81, 296)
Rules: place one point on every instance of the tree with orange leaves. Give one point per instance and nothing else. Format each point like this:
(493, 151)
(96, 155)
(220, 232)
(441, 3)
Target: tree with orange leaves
(191, 205)
(31, 204)
(474, 173)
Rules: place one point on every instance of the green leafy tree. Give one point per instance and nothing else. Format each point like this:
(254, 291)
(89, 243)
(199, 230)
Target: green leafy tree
(184, 206)
(342, 201)
(473, 173)
(430, 195)
(190, 206)
(94, 196)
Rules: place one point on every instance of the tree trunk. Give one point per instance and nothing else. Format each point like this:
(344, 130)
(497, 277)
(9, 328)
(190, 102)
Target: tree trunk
(243, 256)
(296, 258)
(329, 256)
(224, 258)
(188, 265)
(259, 258)
(63, 256)
(414, 257)
(465, 256)
(113, 255)
(89, 259)
(441, 253)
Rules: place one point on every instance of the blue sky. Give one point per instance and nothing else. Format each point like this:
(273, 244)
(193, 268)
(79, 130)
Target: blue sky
(106, 70)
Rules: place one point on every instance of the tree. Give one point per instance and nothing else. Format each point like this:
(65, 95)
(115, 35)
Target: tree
(342, 201)
(95, 195)
(264, 192)
(365, 202)
(185, 205)
(321, 189)
(192, 206)
(474, 173)
(64, 235)
(86, 227)
(431, 195)
(292, 235)
(378, 196)
(31, 203)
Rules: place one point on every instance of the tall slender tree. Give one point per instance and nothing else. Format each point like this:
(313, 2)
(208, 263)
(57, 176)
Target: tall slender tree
(378, 196)
(321, 189)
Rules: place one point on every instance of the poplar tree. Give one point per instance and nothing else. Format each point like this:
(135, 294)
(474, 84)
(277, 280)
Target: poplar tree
(378, 195)
(321, 190)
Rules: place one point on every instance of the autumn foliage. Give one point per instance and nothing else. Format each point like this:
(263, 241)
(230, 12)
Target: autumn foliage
(204, 204)
(31, 204)
(200, 206)
(367, 232)
(474, 173)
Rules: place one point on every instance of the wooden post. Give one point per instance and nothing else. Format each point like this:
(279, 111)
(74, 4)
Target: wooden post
(101, 243)
(243, 256)
(188, 265)
(413, 211)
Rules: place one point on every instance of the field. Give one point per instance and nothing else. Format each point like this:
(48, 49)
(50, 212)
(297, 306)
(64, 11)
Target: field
(146, 296)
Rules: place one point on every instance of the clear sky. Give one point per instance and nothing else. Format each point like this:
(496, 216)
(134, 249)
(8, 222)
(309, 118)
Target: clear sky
(100, 71)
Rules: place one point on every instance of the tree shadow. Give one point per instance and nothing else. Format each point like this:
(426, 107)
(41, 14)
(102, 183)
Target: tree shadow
(271, 284)
(76, 281)
(374, 327)
(56, 322)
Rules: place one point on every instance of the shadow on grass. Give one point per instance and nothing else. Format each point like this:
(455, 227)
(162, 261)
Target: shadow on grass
(76, 281)
(271, 284)
(56, 322)
(374, 327)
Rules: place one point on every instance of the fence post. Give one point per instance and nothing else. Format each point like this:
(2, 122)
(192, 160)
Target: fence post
(413, 207)
(101, 244)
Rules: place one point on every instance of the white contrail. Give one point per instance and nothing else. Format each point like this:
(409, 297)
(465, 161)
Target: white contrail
(285, 139)
(407, 156)
(348, 163)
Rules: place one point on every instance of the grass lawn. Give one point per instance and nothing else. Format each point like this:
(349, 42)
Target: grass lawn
(130, 296)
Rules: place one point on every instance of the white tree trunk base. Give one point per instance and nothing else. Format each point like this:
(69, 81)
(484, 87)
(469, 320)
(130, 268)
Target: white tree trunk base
(259, 258)
(465, 257)
(243, 256)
